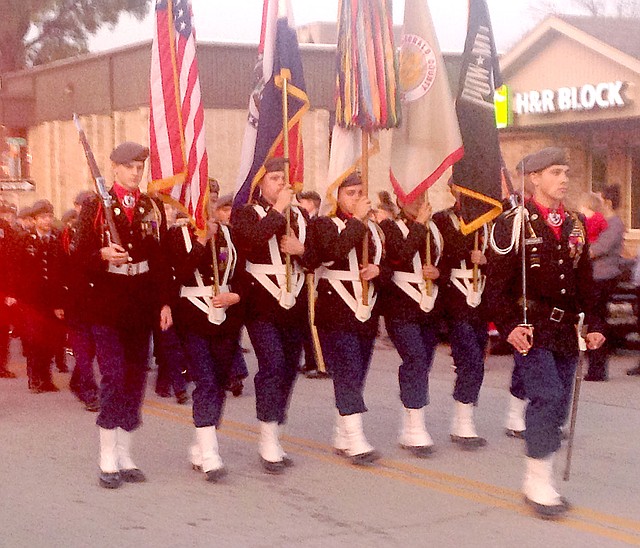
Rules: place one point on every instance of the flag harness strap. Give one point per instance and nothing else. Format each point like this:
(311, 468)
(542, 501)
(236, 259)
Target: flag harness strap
(201, 295)
(462, 278)
(337, 277)
(277, 268)
(413, 283)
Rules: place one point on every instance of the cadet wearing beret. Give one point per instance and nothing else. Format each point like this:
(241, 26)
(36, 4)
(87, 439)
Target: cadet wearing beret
(347, 325)
(130, 294)
(274, 313)
(559, 287)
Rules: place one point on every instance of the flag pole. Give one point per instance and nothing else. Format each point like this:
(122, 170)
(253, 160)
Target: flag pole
(365, 185)
(428, 260)
(285, 75)
(476, 247)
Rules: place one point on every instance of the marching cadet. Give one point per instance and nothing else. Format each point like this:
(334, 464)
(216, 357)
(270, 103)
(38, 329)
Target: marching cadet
(408, 304)
(39, 289)
(465, 312)
(346, 315)
(559, 286)
(6, 299)
(208, 321)
(130, 286)
(514, 424)
(83, 381)
(274, 313)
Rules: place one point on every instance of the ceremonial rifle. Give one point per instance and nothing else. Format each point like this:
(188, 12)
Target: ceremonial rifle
(99, 183)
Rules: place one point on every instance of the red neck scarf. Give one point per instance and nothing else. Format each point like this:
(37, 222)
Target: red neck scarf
(553, 217)
(127, 199)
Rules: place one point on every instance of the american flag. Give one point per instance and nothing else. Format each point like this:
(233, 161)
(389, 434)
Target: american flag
(177, 137)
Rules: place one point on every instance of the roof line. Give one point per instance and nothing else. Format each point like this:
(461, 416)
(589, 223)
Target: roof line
(553, 24)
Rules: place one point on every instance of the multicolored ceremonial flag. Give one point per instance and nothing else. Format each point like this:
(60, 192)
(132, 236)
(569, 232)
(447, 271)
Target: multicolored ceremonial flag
(177, 138)
(367, 95)
(478, 175)
(428, 141)
(278, 57)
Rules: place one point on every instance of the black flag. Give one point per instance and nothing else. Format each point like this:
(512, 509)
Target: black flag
(478, 175)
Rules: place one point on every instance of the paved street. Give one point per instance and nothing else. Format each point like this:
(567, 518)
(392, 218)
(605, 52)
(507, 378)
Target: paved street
(49, 494)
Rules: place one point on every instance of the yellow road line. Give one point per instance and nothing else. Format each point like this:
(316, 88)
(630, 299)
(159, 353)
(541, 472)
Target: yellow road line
(581, 519)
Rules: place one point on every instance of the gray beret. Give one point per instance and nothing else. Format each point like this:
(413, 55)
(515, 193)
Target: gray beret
(541, 160)
(129, 152)
(352, 179)
(41, 207)
(224, 201)
(274, 164)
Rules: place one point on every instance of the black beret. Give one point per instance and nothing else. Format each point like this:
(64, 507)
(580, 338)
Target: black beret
(541, 160)
(352, 179)
(224, 201)
(129, 152)
(274, 164)
(41, 207)
(69, 215)
(25, 212)
(83, 196)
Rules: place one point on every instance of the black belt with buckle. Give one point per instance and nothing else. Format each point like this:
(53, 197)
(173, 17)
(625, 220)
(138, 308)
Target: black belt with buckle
(542, 311)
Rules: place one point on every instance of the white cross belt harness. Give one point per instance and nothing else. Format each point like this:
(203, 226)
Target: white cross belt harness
(337, 277)
(201, 296)
(264, 273)
(462, 278)
(413, 283)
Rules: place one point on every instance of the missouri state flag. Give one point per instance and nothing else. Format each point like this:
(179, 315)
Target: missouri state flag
(278, 58)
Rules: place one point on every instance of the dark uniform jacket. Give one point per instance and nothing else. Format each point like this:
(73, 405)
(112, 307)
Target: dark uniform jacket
(559, 275)
(399, 254)
(186, 316)
(39, 274)
(116, 299)
(325, 244)
(457, 247)
(251, 235)
(7, 267)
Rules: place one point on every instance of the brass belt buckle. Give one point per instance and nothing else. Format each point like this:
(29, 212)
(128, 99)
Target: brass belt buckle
(130, 268)
(556, 315)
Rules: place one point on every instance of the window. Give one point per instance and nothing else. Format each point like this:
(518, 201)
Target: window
(598, 169)
(635, 188)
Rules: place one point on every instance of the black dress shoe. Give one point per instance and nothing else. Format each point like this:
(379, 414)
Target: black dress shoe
(419, 451)
(270, 467)
(468, 444)
(93, 406)
(213, 476)
(594, 378)
(517, 434)
(555, 511)
(288, 462)
(110, 480)
(133, 475)
(182, 397)
(634, 372)
(365, 459)
(163, 393)
(6, 374)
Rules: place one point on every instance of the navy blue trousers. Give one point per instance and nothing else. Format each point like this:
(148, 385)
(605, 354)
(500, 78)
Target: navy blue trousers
(123, 358)
(416, 344)
(348, 356)
(468, 345)
(278, 350)
(548, 380)
(517, 383)
(171, 360)
(83, 381)
(209, 359)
